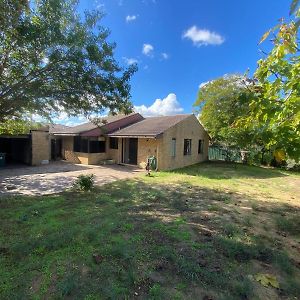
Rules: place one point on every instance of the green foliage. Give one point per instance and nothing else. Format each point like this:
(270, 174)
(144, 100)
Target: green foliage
(84, 182)
(265, 111)
(221, 102)
(52, 59)
(17, 127)
(276, 109)
(155, 291)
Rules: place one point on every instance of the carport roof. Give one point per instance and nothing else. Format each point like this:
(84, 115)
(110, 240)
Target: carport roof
(150, 127)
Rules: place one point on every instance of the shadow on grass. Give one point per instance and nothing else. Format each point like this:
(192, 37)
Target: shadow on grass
(224, 170)
(130, 239)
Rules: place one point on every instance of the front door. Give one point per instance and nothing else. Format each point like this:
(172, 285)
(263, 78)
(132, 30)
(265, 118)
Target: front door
(130, 150)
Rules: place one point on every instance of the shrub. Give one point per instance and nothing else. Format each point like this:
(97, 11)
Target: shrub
(84, 182)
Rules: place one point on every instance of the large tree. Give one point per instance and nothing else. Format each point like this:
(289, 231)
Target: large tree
(276, 108)
(221, 102)
(53, 59)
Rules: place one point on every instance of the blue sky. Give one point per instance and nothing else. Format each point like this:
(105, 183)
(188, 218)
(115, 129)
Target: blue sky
(180, 44)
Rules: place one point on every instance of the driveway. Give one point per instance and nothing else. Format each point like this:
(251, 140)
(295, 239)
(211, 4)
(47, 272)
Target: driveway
(57, 177)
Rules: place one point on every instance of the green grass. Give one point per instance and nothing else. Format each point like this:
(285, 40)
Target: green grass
(200, 231)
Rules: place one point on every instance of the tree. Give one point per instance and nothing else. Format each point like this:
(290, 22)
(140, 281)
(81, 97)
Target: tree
(276, 107)
(52, 60)
(221, 102)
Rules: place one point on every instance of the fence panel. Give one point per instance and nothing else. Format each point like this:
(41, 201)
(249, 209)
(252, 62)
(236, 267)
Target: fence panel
(220, 153)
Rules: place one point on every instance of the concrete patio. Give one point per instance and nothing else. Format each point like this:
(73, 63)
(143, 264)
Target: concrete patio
(57, 177)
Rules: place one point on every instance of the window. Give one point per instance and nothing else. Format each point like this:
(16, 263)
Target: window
(187, 148)
(84, 145)
(88, 145)
(113, 143)
(200, 146)
(173, 147)
(77, 143)
(97, 146)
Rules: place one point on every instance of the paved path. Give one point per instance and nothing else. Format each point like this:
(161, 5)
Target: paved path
(56, 177)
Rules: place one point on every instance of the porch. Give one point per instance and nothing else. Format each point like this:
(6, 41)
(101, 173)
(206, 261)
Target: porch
(103, 149)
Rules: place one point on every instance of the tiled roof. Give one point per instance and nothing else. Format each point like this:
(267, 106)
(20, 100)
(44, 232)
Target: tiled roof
(90, 126)
(152, 126)
(57, 128)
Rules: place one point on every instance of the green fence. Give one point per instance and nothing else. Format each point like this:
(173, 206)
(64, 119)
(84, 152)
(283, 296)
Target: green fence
(220, 153)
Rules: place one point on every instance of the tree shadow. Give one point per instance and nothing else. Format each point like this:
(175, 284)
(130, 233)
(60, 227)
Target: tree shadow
(151, 238)
(52, 167)
(224, 170)
(57, 177)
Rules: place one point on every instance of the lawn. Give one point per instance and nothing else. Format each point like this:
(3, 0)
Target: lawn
(204, 232)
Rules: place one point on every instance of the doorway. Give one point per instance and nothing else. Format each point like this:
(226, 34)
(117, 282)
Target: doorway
(56, 149)
(130, 151)
(17, 149)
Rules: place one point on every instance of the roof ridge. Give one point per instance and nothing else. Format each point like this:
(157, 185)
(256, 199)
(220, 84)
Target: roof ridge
(152, 126)
(166, 116)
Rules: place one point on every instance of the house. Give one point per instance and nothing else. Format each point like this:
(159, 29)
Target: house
(176, 141)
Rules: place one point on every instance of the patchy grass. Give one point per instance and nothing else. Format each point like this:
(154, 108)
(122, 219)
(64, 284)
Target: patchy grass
(197, 233)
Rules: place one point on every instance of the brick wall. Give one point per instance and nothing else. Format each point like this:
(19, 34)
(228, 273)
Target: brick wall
(40, 147)
(114, 154)
(146, 148)
(189, 128)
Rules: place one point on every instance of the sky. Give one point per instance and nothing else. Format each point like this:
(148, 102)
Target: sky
(178, 45)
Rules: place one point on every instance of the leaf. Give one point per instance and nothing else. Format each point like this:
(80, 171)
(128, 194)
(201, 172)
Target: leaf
(266, 280)
(264, 36)
(293, 7)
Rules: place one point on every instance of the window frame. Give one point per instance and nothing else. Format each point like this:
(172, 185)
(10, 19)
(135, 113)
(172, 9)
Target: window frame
(187, 147)
(200, 146)
(173, 147)
(84, 145)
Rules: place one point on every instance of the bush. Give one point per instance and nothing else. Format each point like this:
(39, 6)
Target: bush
(84, 182)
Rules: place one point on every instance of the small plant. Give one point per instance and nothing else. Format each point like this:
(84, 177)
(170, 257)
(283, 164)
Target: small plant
(290, 225)
(84, 182)
(155, 291)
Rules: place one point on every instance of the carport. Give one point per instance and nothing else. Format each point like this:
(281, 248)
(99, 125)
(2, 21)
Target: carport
(30, 149)
(17, 149)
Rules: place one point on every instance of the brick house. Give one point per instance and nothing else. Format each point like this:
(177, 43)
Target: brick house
(176, 141)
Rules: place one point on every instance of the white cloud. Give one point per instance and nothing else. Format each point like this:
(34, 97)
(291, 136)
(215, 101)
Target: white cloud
(61, 118)
(130, 18)
(130, 61)
(164, 107)
(202, 84)
(165, 55)
(203, 37)
(99, 5)
(149, 1)
(148, 49)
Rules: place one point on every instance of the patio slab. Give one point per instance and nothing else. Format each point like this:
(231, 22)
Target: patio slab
(57, 177)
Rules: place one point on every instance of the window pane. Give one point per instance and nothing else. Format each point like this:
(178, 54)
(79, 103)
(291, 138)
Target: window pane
(97, 146)
(187, 150)
(76, 144)
(173, 147)
(113, 143)
(84, 146)
(200, 147)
